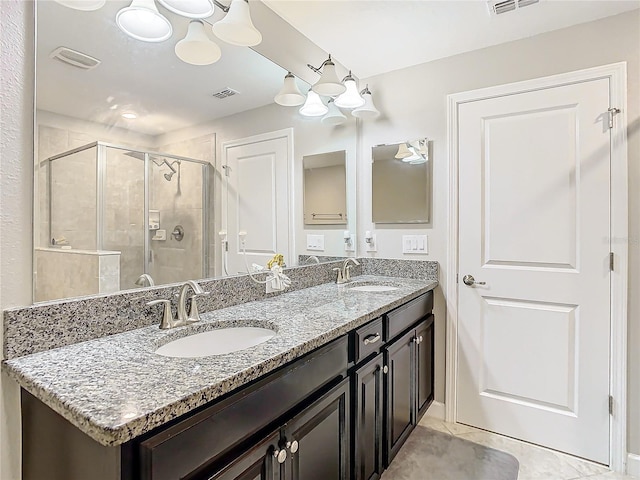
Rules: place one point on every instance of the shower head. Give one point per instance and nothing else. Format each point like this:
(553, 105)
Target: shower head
(168, 176)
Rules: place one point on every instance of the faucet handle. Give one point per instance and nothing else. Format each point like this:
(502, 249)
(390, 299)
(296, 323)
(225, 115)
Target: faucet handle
(347, 273)
(340, 277)
(194, 315)
(167, 316)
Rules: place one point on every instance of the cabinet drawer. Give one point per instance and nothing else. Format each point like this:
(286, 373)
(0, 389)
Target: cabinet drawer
(203, 437)
(403, 317)
(367, 339)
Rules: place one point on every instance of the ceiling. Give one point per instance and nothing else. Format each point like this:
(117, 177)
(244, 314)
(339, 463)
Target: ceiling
(146, 78)
(376, 36)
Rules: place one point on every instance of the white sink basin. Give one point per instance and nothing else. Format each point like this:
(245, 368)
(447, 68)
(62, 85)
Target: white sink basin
(216, 342)
(373, 288)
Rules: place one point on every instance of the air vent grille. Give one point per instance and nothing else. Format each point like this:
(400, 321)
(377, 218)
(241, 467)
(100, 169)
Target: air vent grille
(75, 58)
(225, 93)
(504, 6)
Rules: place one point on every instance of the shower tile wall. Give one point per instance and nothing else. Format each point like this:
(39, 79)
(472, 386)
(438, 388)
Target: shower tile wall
(75, 201)
(180, 203)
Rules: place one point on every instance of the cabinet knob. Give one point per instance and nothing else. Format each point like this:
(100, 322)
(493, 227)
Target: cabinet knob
(294, 446)
(385, 369)
(280, 455)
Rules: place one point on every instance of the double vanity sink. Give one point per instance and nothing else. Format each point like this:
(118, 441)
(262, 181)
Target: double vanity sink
(123, 390)
(220, 341)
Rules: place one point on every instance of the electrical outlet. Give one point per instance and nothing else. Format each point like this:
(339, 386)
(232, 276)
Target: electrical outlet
(371, 245)
(351, 246)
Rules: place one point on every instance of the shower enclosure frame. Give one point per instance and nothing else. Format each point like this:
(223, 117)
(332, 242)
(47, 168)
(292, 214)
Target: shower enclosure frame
(101, 165)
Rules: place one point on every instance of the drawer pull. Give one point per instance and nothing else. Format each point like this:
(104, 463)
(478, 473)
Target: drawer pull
(369, 339)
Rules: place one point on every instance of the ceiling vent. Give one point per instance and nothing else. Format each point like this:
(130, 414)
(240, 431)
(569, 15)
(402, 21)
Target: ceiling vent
(225, 93)
(504, 6)
(74, 58)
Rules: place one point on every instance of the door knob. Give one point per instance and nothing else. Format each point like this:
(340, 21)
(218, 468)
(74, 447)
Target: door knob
(470, 281)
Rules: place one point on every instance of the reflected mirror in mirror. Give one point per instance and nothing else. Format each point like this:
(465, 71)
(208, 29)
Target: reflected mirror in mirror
(129, 183)
(401, 182)
(325, 188)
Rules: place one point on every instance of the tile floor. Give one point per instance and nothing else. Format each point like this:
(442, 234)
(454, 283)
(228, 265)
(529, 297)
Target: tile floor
(536, 463)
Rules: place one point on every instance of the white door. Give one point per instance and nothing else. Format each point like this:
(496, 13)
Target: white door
(533, 342)
(257, 200)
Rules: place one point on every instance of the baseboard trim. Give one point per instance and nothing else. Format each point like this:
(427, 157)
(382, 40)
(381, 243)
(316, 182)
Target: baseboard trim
(436, 410)
(633, 464)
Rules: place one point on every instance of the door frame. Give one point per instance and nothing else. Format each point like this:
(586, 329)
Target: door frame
(286, 133)
(617, 75)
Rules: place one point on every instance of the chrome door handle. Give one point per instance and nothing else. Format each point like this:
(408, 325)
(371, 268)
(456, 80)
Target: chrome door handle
(371, 338)
(470, 281)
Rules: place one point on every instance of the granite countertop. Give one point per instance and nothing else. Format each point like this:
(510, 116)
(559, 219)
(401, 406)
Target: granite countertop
(116, 388)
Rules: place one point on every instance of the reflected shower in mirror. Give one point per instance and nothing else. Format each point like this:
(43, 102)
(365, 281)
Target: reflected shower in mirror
(401, 182)
(325, 188)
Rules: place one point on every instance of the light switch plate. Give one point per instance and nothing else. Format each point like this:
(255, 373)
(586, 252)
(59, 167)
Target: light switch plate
(315, 243)
(415, 244)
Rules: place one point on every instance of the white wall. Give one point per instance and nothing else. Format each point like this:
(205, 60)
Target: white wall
(16, 191)
(413, 102)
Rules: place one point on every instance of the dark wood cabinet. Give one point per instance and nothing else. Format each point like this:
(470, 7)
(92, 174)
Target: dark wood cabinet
(424, 366)
(368, 425)
(409, 383)
(321, 436)
(313, 445)
(400, 397)
(257, 463)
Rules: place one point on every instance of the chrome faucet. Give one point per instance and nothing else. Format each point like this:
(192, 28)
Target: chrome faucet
(193, 315)
(183, 318)
(145, 280)
(344, 274)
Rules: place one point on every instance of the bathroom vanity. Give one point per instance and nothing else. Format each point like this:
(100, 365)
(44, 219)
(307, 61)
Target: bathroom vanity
(333, 395)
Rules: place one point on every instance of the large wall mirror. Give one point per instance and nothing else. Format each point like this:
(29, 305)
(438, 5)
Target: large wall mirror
(130, 183)
(401, 182)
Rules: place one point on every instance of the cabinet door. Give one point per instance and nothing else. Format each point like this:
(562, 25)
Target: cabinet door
(258, 463)
(318, 438)
(368, 409)
(424, 366)
(400, 399)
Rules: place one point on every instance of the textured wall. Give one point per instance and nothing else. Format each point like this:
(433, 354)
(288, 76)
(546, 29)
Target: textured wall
(16, 196)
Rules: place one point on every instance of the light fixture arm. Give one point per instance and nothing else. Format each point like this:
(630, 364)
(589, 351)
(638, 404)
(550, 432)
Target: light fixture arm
(318, 70)
(222, 7)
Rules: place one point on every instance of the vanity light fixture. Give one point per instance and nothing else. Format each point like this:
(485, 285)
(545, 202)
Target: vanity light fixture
(236, 27)
(196, 48)
(334, 116)
(189, 8)
(84, 5)
(350, 98)
(142, 21)
(329, 84)
(368, 111)
(403, 151)
(290, 95)
(313, 106)
(415, 152)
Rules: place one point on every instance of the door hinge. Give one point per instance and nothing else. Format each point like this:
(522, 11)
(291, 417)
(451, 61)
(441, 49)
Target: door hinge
(611, 261)
(226, 169)
(456, 278)
(610, 405)
(612, 113)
